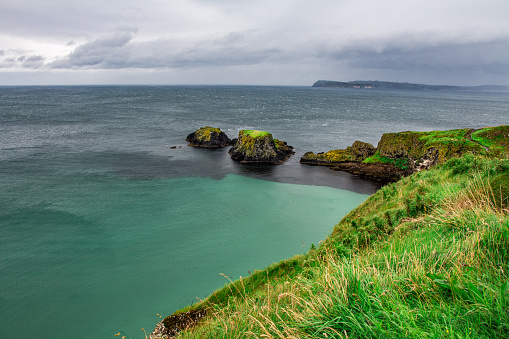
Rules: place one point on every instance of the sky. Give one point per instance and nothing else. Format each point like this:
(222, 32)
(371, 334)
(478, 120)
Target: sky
(253, 42)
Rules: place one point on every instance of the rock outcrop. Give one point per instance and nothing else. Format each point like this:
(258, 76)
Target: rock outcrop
(378, 171)
(208, 137)
(401, 154)
(173, 324)
(358, 152)
(260, 147)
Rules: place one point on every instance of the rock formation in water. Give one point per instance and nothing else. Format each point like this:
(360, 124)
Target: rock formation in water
(208, 137)
(260, 147)
(173, 324)
(401, 154)
(358, 152)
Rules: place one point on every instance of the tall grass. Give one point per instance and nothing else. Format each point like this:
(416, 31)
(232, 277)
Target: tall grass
(427, 257)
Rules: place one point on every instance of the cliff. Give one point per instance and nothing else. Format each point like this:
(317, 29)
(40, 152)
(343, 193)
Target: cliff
(405, 86)
(259, 147)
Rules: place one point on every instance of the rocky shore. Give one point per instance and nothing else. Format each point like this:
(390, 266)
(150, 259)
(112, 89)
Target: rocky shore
(173, 324)
(396, 155)
(401, 154)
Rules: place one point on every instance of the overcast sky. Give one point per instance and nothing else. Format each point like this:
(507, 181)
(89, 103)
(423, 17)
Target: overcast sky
(259, 42)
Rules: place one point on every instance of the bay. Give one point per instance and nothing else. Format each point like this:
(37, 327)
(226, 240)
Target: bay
(103, 224)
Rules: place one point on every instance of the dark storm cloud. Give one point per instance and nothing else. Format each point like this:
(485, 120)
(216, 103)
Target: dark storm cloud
(117, 50)
(488, 57)
(296, 41)
(103, 52)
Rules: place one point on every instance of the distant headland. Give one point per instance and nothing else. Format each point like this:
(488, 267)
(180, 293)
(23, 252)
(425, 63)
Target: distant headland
(406, 86)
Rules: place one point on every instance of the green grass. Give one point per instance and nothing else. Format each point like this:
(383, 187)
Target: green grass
(426, 257)
(256, 134)
(444, 137)
(377, 158)
(439, 145)
(495, 138)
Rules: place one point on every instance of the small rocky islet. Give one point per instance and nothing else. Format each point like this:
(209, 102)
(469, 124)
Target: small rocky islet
(208, 137)
(251, 146)
(397, 154)
(259, 147)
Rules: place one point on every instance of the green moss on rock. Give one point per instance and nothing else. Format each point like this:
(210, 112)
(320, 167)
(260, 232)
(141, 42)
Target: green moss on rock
(259, 147)
(208, 137)
(355, 153)
(256, 134)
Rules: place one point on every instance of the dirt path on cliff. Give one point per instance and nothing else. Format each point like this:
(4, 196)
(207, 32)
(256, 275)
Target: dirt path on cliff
(468, 135)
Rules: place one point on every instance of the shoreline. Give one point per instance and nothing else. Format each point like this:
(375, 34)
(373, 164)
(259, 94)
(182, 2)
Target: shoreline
(412, 153)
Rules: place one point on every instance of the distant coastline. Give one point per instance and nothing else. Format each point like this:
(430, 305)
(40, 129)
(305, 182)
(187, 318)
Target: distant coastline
(406, 86)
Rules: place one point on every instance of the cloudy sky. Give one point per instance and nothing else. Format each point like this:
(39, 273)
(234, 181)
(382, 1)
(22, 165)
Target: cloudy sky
(259, 42)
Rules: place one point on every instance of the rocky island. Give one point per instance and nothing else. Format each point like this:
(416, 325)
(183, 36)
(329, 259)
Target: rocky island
(208, 137)
(401, 154)
(405, 86)
(259, 147)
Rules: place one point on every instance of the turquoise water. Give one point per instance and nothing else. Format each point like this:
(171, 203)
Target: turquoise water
(103, 225)
(100, 254)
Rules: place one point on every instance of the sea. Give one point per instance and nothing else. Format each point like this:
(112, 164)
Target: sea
(109, 221)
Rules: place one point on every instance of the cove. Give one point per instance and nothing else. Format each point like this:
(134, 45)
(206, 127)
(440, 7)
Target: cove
(92, 255)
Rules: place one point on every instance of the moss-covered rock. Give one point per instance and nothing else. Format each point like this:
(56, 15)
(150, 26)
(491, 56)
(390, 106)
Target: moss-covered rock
(259, 147)
(355, 153)
(361, 150)
(179, 321)
(208, 137)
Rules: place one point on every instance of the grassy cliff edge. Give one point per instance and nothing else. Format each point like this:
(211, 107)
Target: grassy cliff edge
(424, 257)
(401, 154)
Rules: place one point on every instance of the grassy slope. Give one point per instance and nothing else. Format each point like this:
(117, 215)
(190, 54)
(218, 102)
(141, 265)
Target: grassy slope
(426, 257)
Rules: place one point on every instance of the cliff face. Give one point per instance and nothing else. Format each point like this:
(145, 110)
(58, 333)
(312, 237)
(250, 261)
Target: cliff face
(401, 154)
(405, 86)
(259, 147)
(421, 150)
(208, 137)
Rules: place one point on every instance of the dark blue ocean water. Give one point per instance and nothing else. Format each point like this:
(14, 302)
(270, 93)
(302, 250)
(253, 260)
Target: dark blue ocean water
(103, 224)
